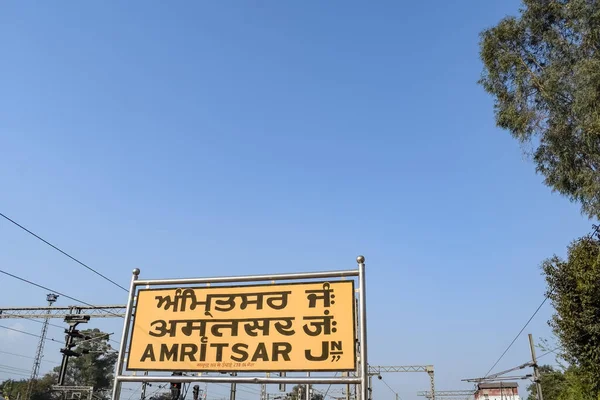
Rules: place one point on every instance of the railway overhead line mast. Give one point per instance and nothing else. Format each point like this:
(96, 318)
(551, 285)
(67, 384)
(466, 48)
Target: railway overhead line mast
(377, 370)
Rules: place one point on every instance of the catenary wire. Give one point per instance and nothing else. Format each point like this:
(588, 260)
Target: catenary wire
(389, 387)
(558, 348)
(591, 235)
(54, 325)
(13, 373)
(596, 232)
(516, 337)
(241, 388)
(55, 291)
(63, 252)
(237, 390)
(24, 356)
(248, 389)
(135, 391)
(29, 333)
(15, 368)
(160, 387)
(328, 388)
(46, 338)
(38, 321)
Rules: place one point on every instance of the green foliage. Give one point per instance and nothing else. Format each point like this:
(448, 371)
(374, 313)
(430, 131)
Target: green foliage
(543, 70)
(41, 389)
(559, 385)
(297, 393)
(162, 396)
(574, 289)
(552, 381)
(94, 368)
(576, 388)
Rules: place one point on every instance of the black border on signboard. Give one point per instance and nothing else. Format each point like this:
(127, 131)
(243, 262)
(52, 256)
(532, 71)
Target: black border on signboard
(354, 324)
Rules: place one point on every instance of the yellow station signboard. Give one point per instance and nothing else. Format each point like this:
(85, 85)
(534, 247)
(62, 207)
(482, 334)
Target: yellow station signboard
(283, 327)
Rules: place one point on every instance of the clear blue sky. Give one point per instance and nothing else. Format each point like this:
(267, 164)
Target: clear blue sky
(207, 138)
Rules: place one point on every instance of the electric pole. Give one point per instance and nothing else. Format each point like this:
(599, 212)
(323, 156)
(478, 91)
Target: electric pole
(50, 298)
(73, 321)
(536, 372)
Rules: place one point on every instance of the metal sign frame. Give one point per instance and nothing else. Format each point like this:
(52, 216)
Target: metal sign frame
(362, 372)
(350, 286)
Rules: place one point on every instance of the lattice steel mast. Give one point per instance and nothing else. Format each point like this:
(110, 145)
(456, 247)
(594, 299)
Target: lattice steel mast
(102, 311)
(50, 298)
(378, 369)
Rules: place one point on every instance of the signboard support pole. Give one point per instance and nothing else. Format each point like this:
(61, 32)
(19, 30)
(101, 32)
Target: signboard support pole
(357, 351)
(119, 365)
(308, 388)
(346, 374)
(233, 387)
(364, 365)
(144, 384)
(282, 385)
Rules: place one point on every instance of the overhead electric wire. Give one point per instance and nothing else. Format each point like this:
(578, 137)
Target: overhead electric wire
(24, 356)
(38, 321)
(157, 389)
(389, 387)
(21, 372)
(557, 348)
(516, 337)
(63, 252)
(329, 387)
(248, 389)
(28, 333)
(596, 232)
(135, 391)
(549, 352)
(57, 292)
(15, 368)
(13, 373)
(54, 325)
(237, 390)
